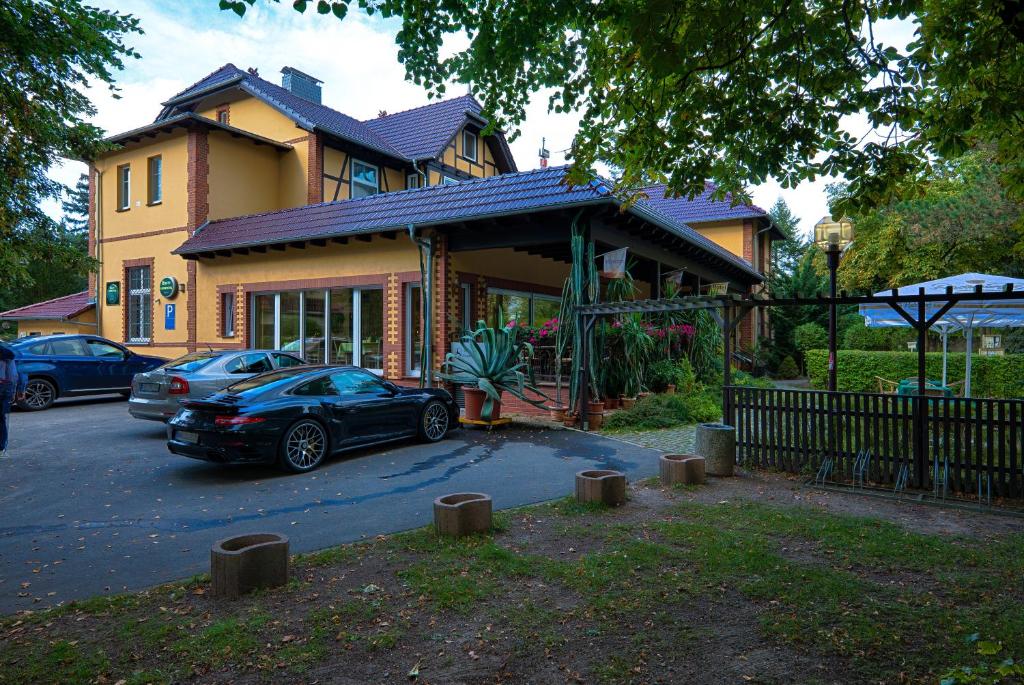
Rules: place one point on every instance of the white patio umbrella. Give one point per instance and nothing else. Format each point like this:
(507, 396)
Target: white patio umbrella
(964, 316)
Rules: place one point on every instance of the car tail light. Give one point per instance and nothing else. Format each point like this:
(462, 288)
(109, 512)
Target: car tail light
(179, 386)
(226, 421)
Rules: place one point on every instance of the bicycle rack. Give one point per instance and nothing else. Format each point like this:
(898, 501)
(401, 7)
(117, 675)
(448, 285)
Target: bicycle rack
(861, 465)
(824, 471)
(902, 479)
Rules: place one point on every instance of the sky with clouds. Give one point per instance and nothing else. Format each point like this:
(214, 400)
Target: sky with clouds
(356, 58)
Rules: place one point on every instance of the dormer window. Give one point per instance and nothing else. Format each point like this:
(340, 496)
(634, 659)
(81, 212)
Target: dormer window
(364, 180)
(412, 180)
(448, 180)
(469, 144)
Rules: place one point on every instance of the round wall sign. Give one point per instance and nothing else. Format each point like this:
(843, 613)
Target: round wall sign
(169, 287)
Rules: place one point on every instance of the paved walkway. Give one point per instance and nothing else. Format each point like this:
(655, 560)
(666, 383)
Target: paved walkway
(678, 440)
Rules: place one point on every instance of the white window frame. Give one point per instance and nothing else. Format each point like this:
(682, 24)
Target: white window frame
(142, 294)
(152, 199)
(352, 183)
(410, 351)
(227, 314)
(467, 307)
(466, 135)
(412, 181)
(445, 180)
(357, 333)
(124, 186)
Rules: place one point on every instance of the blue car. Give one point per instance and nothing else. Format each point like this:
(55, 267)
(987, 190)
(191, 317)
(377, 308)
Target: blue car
(74, 365)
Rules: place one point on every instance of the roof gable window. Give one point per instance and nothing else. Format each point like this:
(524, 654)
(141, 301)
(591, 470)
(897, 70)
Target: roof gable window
(469, 141)
(364, 180)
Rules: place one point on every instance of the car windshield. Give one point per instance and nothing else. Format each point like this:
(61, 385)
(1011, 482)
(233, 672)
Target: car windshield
(191, 362)
(265, 381)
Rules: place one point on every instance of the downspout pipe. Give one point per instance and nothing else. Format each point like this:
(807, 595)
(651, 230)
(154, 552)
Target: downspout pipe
(426, 247)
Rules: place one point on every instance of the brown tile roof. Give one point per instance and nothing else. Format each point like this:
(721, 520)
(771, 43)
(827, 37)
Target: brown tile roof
(61, 308)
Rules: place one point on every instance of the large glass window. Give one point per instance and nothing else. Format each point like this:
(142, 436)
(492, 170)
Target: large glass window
(264, 323)
(341, 326)
(371, 329)
(340, 348)
(504, 306)
(413, 327)
(313, 317)
(140, 303)
(364, 179)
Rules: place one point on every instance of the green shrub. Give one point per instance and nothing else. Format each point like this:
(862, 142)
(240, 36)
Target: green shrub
(877, 339)
(747, 380)
(787, 369)
(664, 372)
(666, 411)
(856, 370)
(810, 336)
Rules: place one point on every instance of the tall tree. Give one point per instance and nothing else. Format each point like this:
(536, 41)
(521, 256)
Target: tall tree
(51, 51)
(786, 253)
(736, 92)
(76, 206)
(963, 221)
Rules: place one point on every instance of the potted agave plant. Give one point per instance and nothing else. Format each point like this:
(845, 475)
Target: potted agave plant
(492, 361)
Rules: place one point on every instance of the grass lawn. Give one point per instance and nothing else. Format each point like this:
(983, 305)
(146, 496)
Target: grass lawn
(741, 582)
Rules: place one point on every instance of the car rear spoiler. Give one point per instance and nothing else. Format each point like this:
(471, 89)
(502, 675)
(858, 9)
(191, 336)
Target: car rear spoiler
(210, 405)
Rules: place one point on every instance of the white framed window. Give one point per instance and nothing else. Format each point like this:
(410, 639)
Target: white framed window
(155, 186)
(340, 325)
(124, 187)
(364, 180)
(467, 308)
(469, 141)
(227, 315)
(445, 180)
(413, 328)
(140, 304)
(412, 180)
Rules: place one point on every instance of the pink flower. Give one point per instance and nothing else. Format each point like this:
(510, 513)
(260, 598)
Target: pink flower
(617, 324)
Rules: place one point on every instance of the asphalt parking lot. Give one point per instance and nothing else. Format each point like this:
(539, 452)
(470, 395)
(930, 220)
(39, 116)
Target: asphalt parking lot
(92, 502)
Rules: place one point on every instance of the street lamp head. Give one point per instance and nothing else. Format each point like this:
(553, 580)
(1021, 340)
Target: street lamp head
(833, 235)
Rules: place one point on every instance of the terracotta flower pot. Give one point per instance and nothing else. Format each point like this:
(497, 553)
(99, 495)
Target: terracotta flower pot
(670, 389)
(595, 420)
(558, 414)
(611, 403)
(641, 395)
(475, 404)
(628, 402)
(595, 407)
(569, 421)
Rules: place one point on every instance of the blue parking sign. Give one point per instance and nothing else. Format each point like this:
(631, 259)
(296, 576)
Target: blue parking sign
(169, 317)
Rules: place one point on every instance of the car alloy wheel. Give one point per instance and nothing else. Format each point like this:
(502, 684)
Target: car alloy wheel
(305, 446)
(435, 421)
(39, 394)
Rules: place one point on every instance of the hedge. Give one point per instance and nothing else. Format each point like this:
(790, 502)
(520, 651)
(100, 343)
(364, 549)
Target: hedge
(856, 370)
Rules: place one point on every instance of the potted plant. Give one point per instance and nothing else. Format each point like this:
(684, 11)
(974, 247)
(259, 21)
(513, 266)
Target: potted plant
(491, 361)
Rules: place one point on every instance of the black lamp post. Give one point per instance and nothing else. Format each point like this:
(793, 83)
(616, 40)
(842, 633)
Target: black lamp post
(833, 237)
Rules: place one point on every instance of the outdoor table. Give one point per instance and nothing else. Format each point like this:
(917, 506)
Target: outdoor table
(909, 386)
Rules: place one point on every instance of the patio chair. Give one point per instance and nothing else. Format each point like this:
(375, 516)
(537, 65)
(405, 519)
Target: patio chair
(886, 386)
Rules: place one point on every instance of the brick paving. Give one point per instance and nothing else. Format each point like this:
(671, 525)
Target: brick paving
(678, 440)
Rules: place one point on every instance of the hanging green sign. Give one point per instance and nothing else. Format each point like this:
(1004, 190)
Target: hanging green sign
(169, 287)
(113, 293)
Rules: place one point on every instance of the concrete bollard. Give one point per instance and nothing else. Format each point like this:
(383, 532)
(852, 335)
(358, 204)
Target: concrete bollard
(607, 487)
(462, 513)
(684, 469)
(248, 562)
(716, 442)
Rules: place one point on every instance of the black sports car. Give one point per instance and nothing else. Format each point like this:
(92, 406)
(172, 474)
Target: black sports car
(298, 416)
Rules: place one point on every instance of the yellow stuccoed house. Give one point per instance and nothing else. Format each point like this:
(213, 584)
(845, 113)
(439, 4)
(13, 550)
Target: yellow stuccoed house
(249, 214)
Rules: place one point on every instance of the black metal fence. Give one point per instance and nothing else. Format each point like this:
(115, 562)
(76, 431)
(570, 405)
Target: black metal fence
(965, 445)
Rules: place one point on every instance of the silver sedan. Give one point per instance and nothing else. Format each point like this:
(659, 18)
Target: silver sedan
(156, 394)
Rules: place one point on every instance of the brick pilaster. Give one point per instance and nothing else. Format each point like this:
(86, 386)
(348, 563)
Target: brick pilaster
(394, 364)
(315, 169)
(198, 210)
(442, 300)
(480, 301)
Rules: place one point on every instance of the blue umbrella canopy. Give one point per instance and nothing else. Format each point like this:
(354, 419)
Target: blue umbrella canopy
(964, 316)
